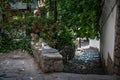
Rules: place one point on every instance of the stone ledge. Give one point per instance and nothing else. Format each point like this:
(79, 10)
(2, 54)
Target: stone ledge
(52, 56)
(48, 59)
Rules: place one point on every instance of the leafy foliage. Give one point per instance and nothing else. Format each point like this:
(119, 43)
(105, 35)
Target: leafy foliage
(15, 28)
(80, 15)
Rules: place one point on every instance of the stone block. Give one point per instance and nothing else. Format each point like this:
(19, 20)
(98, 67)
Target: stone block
(58, 65)
(51, 62)
(48, 59)
(117, 61)
(117, 70)
(37, 54)
(117, 54)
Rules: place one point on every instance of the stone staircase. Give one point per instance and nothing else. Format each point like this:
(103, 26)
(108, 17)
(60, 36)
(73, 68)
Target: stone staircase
(86, 61)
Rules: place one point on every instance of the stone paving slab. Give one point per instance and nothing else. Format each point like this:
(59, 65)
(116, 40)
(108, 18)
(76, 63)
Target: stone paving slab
(26, 69)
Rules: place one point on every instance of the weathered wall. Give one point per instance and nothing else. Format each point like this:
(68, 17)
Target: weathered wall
(19, 5)
(117, 42)
(108, 35)
(94, 43)
(108, 23)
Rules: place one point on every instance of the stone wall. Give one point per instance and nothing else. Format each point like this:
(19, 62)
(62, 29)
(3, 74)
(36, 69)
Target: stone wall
(48, 59)
(107, 43)
(110, 55)
(117, 42)
(107, 8)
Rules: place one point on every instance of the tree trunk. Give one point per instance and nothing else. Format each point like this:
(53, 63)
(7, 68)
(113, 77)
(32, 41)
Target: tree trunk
(55, 10)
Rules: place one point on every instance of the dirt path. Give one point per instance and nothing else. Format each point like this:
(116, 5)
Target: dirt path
(18, 65)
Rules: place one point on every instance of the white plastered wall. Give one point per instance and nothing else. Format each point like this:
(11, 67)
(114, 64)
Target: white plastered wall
(108, 36)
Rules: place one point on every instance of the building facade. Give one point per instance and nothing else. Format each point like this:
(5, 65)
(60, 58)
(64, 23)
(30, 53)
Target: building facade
(110, 35)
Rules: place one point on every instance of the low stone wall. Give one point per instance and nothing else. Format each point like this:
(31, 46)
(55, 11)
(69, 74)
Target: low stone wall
(48, 59)
(51, 62)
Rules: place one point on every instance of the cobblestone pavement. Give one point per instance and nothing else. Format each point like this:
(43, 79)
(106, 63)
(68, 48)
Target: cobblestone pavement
(18, 65)
(86, 61)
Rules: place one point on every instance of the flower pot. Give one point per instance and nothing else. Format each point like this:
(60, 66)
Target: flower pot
(68, 52)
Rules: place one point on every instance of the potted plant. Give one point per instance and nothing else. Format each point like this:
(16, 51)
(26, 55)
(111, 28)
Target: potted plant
(65, 44)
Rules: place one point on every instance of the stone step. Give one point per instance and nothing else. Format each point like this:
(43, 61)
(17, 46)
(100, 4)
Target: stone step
(86, 71)
(70, 76)
(86, 61)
